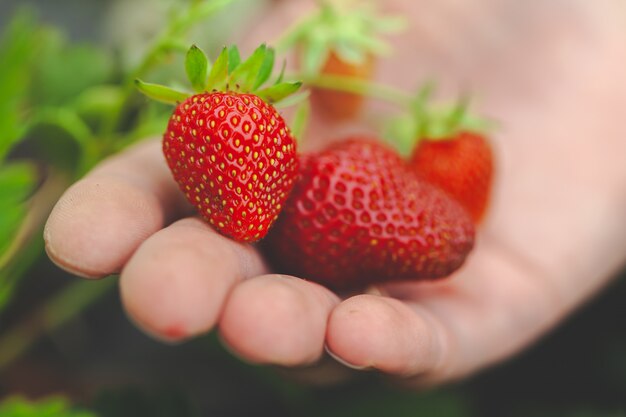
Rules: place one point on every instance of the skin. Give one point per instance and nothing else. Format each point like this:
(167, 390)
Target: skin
(554, 235)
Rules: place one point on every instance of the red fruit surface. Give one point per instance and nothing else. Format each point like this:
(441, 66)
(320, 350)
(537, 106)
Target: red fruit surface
(461, 165)
(358, 215)
(235, 160)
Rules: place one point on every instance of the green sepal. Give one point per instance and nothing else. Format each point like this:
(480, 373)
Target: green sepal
(278, 92)
(219, 72)
(266, 68)
(161, 93)
(400, 133)
(197, 67)
(281, 75)
(316, 54)
(228, 73)
(245, 75)
(445, 122)
(293, 100)
(352, 31)
(234, 58)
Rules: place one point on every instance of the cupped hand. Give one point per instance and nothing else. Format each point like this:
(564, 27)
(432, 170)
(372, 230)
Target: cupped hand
(549, 72)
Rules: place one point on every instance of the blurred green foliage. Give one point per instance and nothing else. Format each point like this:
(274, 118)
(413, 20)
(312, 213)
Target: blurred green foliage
(51, 407)
(65, 106)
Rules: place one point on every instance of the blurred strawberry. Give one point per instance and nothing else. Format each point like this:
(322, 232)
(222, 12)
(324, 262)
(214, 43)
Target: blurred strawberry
(340, 42)
(460, 163)
(449, 148)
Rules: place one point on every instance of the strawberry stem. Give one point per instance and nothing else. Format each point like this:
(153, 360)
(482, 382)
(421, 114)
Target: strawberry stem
(358, 86)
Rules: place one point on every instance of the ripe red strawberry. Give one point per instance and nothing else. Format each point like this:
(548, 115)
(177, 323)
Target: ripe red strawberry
(357, 216)
(461, 164)
(230, 151)
(234, 159)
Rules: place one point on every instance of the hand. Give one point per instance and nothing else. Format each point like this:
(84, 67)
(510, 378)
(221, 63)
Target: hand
(549, 72)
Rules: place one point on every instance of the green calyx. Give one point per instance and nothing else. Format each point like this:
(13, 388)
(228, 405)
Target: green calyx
(441, 123)
(227, 74)
(425, 121)
(350, 29)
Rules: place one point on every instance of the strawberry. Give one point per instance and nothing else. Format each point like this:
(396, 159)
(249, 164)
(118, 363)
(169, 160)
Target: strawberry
(342, 105)
(341, 42)
(461, 164)
(229, 150)
(358, 216)
(455, 155)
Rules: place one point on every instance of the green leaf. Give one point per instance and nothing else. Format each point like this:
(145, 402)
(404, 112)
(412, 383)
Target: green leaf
(161, 93)
(279, 92)
(266, 68)
(65, 70)
(246, 74)
(50, 407)
(61, 138)
(16, 183)
(98, 101)
(281, 75)
(19, 45)
(197, 65)
(219, 72)
(349, 54)
(234, 58)
(315, 55)
(11, 218)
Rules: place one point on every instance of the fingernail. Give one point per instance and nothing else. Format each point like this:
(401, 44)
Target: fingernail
(344, 362)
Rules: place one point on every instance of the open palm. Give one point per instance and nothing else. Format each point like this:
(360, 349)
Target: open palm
(549, 72)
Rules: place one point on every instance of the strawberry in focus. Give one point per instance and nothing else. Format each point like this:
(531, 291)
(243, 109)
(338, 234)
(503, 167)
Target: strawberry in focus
(358, 216)
(229, 150)
(234, 159)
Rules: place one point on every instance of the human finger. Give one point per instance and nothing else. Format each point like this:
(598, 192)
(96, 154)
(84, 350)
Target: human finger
(277, 319)
(99, 222)
(176, 284)
(442, 331)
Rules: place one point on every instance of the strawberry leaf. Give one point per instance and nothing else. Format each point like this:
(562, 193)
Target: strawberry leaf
(278, 92)
(160, 92)
(266, 68)
(246, 74)
(234, 58)
(219, 72)
(196, 65)
(49, 407)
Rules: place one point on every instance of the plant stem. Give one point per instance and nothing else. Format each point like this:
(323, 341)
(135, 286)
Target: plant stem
(170, 39)
(57, 311)
(358, 86)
